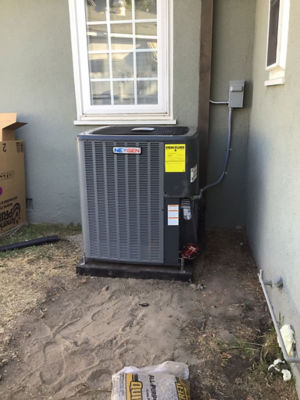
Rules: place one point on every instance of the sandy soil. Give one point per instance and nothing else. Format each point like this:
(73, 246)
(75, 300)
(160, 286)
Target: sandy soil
(86, 328)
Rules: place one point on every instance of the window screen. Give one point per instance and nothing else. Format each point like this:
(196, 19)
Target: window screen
(273, 32)
(122, 51)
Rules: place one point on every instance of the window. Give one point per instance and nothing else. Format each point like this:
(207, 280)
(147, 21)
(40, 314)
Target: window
(277, 41)
(122, 60)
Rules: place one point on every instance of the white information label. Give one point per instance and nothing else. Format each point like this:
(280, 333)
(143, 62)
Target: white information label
(173, 214)
(194, 173)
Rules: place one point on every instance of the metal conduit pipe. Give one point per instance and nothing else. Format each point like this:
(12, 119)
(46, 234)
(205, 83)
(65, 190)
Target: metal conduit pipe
(227, 154)
(292, 360)
(218, 102)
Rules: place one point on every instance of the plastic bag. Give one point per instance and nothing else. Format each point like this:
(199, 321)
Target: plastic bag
(167, 381)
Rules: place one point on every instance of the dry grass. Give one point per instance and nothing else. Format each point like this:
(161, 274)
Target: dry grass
(27, 275)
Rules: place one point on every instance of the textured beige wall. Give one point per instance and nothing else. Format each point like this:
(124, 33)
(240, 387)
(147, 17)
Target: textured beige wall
(187, 16)
(232, 59)
(36, 80)
(273, 169)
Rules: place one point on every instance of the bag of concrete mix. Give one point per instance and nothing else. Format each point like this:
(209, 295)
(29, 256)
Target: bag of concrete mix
(166, 381)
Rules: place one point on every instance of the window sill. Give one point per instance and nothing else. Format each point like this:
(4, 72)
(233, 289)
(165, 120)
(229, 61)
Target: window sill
(276, 75)
(124, 122)
(274, 82)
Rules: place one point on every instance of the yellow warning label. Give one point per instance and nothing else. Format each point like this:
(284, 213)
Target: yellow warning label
(174, 157)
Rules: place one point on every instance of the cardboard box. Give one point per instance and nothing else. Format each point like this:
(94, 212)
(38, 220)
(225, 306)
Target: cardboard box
(12, 174)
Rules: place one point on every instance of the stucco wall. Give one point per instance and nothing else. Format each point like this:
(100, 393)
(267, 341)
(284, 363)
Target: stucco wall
(273, 169)
(231, 60)
(36, 80)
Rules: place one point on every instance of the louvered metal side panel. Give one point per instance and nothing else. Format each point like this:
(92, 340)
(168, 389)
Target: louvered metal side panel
(123, 201)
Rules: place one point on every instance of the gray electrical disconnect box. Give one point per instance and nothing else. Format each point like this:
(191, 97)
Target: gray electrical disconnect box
(236, 94)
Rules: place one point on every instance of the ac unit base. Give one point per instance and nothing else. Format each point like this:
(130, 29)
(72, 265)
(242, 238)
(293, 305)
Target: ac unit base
(112, 270)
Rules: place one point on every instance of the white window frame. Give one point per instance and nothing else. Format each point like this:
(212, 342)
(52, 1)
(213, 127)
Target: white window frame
(276, 71)
(88, 114)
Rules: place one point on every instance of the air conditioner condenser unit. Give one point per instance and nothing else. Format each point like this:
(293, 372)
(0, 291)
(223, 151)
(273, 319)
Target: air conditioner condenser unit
(138, 213)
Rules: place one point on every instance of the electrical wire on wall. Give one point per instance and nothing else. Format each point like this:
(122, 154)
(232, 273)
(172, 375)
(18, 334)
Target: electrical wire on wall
(227, 153)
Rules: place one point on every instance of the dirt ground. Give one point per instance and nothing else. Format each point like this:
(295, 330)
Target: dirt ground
(62, 336)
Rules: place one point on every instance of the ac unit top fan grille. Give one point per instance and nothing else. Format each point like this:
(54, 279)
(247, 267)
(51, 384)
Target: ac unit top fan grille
(129, 130)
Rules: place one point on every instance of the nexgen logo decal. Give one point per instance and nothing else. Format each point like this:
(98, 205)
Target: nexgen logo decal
(127, 150)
